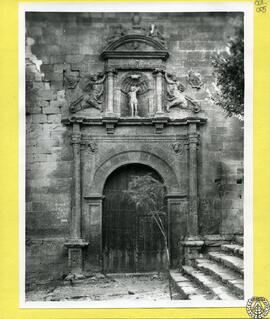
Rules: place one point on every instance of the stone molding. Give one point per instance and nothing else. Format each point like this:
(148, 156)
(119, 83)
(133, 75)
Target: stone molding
(163, 55)
(176, 196)
(158, 50)
(129, 121)
(151, 138)
(75, 243)
(156, 45)
(94, 197)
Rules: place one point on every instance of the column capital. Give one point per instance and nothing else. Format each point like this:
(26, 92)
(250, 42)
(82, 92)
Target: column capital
(193, 139)
(158, 71)
(110, 70)
(76, 138)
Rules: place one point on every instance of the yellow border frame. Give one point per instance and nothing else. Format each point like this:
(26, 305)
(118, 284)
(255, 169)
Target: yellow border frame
(9, 238)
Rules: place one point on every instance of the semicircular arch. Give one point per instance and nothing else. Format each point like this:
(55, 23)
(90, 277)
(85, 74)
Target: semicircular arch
(135, 157)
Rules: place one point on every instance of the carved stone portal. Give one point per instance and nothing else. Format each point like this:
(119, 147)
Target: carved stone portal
(134, 82)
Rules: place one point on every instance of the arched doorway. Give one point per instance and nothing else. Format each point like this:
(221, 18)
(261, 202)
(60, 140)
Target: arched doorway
(131, 241)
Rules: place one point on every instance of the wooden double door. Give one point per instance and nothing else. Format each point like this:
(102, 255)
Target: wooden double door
(131, 240)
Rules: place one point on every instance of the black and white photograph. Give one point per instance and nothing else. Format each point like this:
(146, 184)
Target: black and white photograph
(138, 146)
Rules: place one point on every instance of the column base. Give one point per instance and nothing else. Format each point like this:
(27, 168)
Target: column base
(192, 249)
(75, 255)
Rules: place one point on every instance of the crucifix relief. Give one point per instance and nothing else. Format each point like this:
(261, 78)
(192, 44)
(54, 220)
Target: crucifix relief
(133, 85)
(133, 102)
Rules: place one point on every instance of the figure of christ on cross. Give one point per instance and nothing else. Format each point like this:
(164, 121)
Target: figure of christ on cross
(133, 101)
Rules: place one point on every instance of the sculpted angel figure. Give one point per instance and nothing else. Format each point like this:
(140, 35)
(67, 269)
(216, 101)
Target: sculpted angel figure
(176, 96)
(96, 87)
(175, 93)
(156, 34)
(94, 96)
(133, 101)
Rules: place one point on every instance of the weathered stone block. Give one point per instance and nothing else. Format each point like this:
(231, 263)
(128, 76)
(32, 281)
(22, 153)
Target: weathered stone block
(39, 118)
(74, 58)
(43, 103)
(56, 118)
(59, 67)
(50, 110)
(57, 103)
(45, 94)
(56, 58)
(33, 110)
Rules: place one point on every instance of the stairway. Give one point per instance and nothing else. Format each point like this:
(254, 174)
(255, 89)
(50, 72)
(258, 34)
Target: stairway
(216, 276)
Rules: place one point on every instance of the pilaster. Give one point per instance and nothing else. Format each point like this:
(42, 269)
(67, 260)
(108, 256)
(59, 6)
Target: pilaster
(158, 74)
(192, 244)
(75, 244)
(111, 72)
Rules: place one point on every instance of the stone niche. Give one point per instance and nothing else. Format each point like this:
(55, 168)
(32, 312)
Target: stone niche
(132, 112)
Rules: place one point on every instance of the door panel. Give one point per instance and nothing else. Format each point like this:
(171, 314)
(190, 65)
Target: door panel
(132, 241)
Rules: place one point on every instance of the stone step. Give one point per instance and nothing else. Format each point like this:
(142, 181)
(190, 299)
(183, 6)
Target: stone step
(209, 283)
(188, 289)
(228, 277)
(233, 249)
(239, 239)
(232, 262)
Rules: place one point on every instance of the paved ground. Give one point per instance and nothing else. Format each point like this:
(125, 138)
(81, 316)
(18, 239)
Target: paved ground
(99, 287)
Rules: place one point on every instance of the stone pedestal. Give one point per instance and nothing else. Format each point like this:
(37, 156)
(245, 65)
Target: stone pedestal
(75, 255)
(192, 247)
(177, 209)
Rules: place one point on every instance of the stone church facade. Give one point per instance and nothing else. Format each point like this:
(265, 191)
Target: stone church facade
(112, 95)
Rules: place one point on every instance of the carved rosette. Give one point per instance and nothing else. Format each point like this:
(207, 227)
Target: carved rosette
(178, 148)
(90, 146)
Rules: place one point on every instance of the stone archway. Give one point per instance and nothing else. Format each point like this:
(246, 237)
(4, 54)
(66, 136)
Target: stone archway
(131, 240)
(150, 159)
(94, 200)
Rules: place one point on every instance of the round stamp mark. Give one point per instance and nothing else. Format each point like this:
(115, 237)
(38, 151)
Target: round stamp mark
(257, 307)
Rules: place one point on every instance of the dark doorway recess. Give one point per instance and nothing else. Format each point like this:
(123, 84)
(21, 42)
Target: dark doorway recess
(131, 240)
